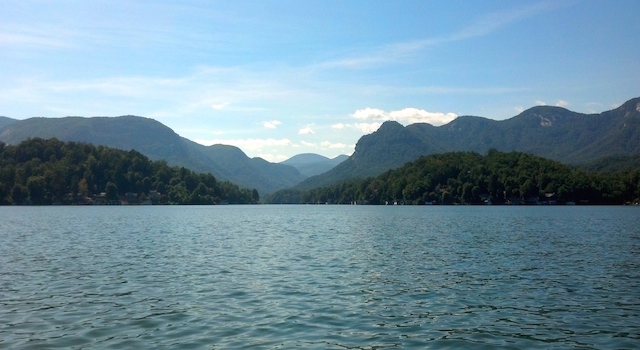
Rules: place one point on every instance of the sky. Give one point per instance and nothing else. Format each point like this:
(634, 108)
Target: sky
(280, 78)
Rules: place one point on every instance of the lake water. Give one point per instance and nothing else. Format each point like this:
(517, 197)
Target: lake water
(325, 277)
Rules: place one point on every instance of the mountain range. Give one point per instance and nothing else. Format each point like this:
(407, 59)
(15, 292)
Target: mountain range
(157, 141)
(551, 132)
(310, 164)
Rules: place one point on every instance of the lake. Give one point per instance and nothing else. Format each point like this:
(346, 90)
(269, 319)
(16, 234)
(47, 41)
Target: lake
(325, 277)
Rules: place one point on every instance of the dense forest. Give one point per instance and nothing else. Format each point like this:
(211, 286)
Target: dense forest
(39, 171)
(471, 178)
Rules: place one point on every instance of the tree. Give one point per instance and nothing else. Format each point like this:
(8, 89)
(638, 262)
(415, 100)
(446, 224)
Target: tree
(83, 188)
(19, 193)
(111, 191)
(49, 170)
(37, 189)
(146, 185)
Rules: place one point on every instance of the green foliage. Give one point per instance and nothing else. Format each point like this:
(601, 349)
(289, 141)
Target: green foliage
(157, 142)
(39, 171)
(550, 132)
(471, 178)
(615, 164)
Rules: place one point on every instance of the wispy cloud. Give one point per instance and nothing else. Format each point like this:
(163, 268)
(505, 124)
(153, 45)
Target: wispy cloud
(492, 22)
(219, 106)
(205, 91)
(480, 27)
(12, 40)
(308, 144)
(331, 145)
(272, 124)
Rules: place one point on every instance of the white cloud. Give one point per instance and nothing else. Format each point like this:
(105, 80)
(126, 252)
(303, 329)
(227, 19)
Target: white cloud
(404, 116)
(248, 144)
(369, 113)
(367, 128)
(562, 103)
(272, 124)
(338, 126)
(306, 131)
(518, 109)
(414, 115)
(540, 103)
(219, 105)
(273, 158)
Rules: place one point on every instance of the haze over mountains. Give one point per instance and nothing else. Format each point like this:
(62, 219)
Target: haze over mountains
(551, 132)
(310, 164)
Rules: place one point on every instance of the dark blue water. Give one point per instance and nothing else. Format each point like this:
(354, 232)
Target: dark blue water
(326, 277)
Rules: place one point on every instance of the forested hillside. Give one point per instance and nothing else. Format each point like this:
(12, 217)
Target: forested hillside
(158, 142)
(471, 178)
(39, 171)
(554, 133)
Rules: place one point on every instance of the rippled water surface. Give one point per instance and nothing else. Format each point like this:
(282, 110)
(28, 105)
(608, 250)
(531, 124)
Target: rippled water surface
(320, 277)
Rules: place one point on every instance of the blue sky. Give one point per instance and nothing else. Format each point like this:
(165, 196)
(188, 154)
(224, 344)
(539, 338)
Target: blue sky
(279, 78)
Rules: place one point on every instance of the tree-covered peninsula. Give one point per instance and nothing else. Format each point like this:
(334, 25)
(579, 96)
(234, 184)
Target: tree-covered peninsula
(39, 171)
(472, 178)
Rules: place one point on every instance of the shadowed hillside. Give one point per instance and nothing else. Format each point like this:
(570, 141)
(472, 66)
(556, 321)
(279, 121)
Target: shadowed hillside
(156, 141)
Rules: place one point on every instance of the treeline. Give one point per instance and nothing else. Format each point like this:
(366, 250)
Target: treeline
(471, 178)
(39, 171)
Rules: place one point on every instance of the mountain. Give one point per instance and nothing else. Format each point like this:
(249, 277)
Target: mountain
(305, 158)
(156, 141)
(472, 178)
(550, 132)
(310, 164)
(4, 121)
(242, 169)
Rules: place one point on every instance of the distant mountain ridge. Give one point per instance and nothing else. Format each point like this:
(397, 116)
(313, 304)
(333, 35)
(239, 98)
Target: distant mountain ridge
(551, 132)
(4, 121)
(310, 164)
(156, 141)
